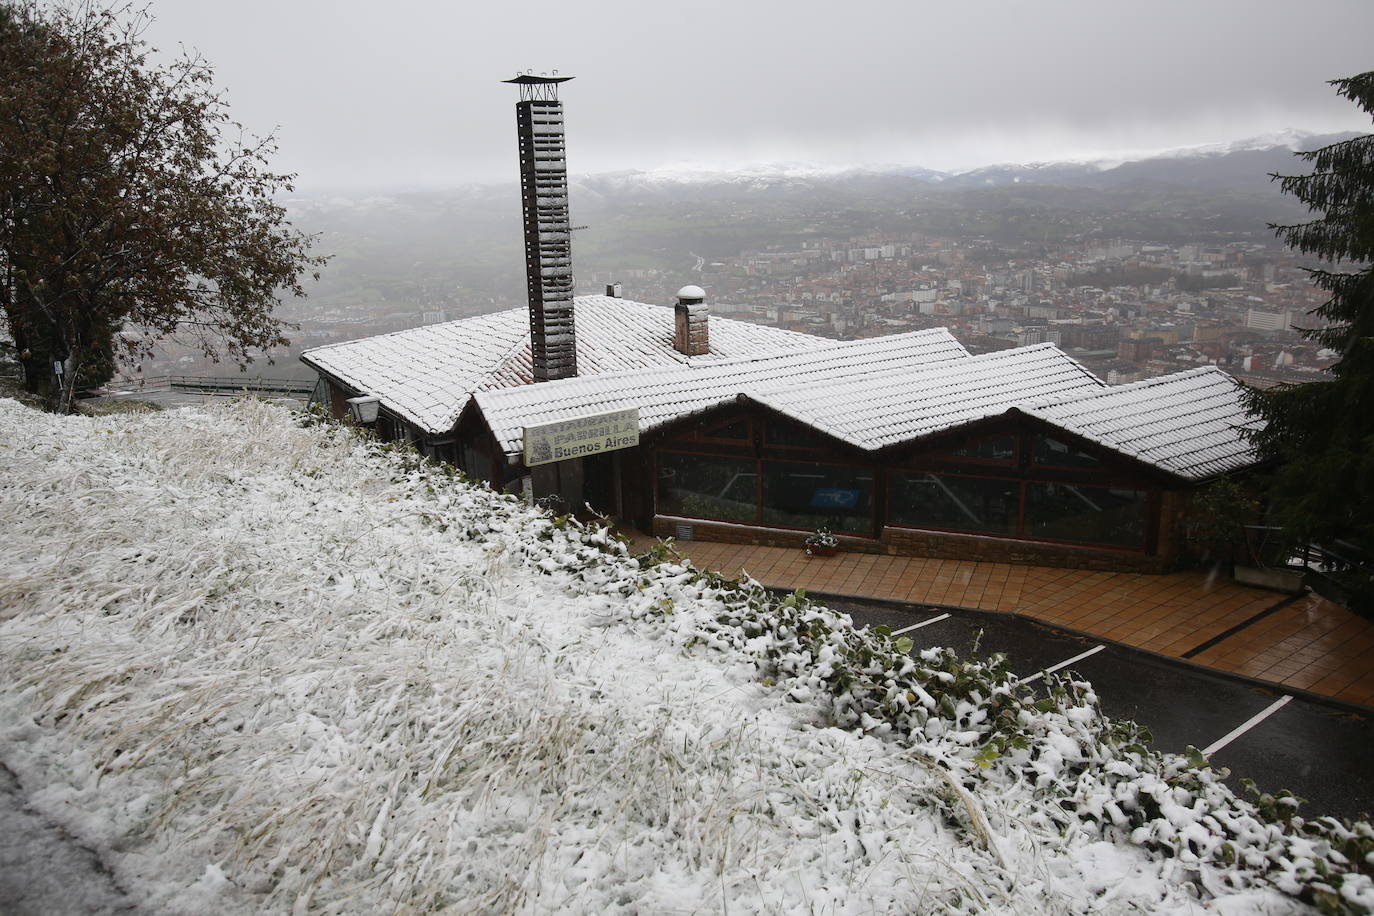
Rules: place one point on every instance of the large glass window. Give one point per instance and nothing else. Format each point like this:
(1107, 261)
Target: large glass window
(1090, 515)
(787, 435)
(707, 486)
(1062, 494)
(1002, 448)
(1051, 451)
(799, 494)
(738, 430)
(982, 504)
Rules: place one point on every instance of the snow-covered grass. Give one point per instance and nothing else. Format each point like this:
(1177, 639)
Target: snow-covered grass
(260, 666)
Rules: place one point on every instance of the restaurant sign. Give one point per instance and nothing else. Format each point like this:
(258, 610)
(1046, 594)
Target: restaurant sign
(581, 436)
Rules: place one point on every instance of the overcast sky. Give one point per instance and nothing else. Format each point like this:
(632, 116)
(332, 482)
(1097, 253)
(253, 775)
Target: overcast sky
(407, 93)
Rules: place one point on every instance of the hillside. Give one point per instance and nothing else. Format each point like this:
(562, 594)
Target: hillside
(260, 666)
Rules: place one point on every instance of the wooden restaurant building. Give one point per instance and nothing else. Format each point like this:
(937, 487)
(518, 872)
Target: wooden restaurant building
(902, 444)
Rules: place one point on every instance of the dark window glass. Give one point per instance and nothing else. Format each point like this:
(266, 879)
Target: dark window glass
(1002, 449)
(960, 503)
(1049, 450)
(707, 486)
(389, 429)
(787, 435)
(1089, 515)
(799, 494)
(736, 430)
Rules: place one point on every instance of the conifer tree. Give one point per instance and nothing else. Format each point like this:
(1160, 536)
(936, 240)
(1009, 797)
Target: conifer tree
(1321, 434)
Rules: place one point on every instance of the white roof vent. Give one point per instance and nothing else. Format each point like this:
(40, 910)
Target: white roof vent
(690, 294)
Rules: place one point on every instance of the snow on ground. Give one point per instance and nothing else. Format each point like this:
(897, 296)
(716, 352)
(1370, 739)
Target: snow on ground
(46, 872)
(260, 667)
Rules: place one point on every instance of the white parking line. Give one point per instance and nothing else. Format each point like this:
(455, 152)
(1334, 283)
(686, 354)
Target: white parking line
(917, 626)
(1245, 726)
(1064, 664)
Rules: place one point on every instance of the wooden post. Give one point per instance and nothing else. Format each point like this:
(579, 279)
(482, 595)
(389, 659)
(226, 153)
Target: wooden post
(558, 485)
(617, 492)
(570, 476)
(544, 484)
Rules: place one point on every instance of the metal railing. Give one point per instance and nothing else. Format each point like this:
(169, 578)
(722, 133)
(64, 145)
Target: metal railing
(217, 385)
(1338, 570)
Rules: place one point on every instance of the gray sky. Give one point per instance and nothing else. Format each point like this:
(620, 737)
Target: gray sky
(406, 93)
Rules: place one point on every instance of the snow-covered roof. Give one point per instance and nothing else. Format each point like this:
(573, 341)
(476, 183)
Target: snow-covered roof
(426, 375)
(891, 407)
(669, 394)
(872, 393)
(1187, 423)
(886, 391)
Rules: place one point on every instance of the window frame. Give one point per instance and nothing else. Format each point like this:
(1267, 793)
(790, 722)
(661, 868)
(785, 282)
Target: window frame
(875, 472)
(1016, 481)
(1147, 504)
(1029, 441)
(820, 446)
(1024, 471)
(758, 484)
(1021, 470)
(704, 434)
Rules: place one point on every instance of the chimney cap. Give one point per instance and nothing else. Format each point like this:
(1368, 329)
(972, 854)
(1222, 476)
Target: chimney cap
(529, 79)
(691, 292)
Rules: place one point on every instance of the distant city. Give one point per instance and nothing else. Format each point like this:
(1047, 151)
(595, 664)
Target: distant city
(1126, 309)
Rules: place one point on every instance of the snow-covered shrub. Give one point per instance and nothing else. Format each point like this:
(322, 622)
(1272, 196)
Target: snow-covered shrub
(1094, 775)
(822, 538)
(333, 677)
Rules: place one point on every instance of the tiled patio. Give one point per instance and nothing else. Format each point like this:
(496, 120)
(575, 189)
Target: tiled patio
(1306, 643)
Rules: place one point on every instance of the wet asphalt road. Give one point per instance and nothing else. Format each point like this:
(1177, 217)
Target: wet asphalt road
(1321, 751)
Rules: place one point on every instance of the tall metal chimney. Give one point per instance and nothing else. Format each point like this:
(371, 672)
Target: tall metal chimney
(548, 228)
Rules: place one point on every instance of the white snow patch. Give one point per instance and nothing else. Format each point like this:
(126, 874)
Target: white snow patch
(265, 668)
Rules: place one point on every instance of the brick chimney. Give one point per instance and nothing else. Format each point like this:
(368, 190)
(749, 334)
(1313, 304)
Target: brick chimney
(691, 331)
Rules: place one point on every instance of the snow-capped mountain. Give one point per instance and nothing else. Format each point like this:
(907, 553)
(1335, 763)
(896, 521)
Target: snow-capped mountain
(1231, 166)
(1238, 165)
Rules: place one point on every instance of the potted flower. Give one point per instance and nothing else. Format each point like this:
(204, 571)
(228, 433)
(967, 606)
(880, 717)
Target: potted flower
(822, 544)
